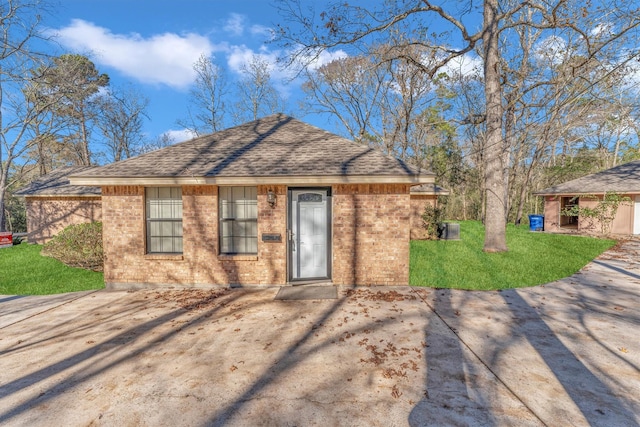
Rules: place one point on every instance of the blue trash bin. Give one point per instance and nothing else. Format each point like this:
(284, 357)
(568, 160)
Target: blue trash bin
(536, 222)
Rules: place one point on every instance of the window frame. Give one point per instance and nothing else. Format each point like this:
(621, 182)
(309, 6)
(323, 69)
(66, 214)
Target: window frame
(233, 221)
(173, 220)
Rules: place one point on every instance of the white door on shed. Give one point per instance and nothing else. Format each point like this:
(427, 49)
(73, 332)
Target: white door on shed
(636, 216)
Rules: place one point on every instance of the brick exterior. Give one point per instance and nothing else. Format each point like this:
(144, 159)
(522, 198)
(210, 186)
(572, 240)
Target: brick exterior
(127, 264)
(370, 239)
(417, 205)
(371, 234)
(47, 216)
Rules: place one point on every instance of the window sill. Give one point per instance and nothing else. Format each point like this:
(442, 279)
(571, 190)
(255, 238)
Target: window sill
(238, 257)
(164, 257)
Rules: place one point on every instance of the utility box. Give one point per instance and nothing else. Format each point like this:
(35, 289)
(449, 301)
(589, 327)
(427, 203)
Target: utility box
(449, 231)
(6, 239)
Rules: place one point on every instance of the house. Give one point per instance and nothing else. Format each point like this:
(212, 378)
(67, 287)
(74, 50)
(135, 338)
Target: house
(422, 195)
(271, 202)
(52, 203)
(586, 192)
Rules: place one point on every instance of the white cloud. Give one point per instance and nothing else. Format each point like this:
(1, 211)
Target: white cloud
(631, 81)
(179, 135)
(604, 29)
(235, 24)
(160, 59)
(240, 56)
(552, 49)
(324, 58)
(261, 30)
(465, 65)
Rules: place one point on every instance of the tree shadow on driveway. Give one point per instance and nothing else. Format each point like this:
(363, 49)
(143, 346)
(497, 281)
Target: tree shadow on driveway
(460, 389)
(375, 356)
(96, 359)
(578, 390)
(554, 347)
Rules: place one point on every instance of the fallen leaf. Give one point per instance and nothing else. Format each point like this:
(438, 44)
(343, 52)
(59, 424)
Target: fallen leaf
(395, 392)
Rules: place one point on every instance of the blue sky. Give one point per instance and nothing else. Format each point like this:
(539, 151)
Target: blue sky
(153, 45)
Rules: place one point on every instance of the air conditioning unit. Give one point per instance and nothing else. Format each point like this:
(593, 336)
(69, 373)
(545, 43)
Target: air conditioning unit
(449, 231)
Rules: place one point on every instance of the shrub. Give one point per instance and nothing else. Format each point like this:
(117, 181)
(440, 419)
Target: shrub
(430, 218)
(78, 245)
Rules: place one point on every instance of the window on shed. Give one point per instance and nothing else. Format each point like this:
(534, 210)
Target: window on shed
(164, 220)
(238, 220)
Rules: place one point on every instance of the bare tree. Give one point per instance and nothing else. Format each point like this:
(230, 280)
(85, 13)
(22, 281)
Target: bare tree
(346, 24)
(20, 25)
(206, 100)
(162, 141)
(411, 110)
(74, 82)
(349, 89)
(122, 114)
(257, 96)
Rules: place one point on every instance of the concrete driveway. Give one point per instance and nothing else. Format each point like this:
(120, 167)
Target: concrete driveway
(566, 353)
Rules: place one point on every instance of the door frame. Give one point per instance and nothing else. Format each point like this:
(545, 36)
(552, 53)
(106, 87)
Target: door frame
(329, 231)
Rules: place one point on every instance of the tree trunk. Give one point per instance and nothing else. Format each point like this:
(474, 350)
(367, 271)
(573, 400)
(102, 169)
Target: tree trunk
(86, 154)
(464, 205)
(509, 142)
(3, 185)
(523, 195)
(42, 168)
(495, 222)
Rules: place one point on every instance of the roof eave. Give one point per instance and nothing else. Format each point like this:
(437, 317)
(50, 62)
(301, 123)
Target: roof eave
(255, 180)
(575, 193)
(431, 193)
(60, 195)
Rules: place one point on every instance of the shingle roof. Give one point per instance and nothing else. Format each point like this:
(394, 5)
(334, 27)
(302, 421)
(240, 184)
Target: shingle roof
(429, 189)
(274, 146)
(56, 183)
(623, 178)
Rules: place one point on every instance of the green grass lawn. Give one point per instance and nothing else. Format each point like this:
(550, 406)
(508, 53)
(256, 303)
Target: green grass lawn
(533, 259)
(23, 271)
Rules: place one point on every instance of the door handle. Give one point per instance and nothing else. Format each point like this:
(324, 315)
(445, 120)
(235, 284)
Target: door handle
(292, 242)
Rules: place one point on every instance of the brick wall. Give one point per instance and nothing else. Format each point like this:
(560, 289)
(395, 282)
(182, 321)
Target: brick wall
(417, 205)
(47, 216)
(370, 239)
(128, 266)
(371, 226)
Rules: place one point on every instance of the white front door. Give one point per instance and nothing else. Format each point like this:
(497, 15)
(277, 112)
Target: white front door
(309, 238)
(636, 216)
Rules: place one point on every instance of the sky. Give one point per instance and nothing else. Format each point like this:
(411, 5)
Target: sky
(154, 44)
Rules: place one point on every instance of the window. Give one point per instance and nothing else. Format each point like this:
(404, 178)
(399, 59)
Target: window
(164, 220)
(238, 220)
